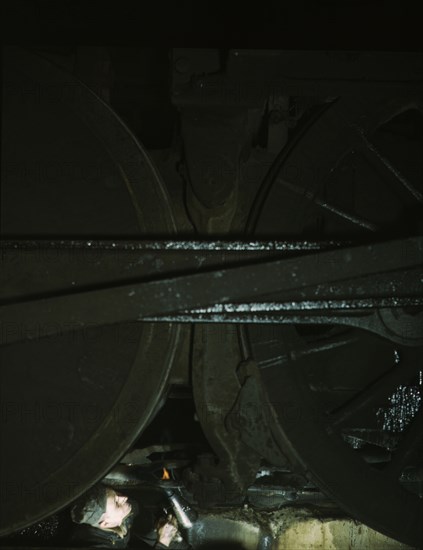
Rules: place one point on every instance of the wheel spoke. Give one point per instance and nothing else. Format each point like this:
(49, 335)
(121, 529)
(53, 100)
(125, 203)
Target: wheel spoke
(355, 220)
(410, 447)
(390, 167)
(372, 394)
(310, 350)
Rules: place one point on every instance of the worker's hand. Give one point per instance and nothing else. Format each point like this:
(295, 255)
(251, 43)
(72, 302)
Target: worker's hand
(168, 530)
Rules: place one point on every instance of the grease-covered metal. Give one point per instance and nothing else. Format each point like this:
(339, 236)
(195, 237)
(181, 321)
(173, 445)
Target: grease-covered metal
(152, 299)
(403, 403)
(373, 315)
(42, 531)
(182, 245)
(270, 307)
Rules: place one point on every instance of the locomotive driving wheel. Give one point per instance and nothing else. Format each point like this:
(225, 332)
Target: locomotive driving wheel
(72, 404)
(346, 404)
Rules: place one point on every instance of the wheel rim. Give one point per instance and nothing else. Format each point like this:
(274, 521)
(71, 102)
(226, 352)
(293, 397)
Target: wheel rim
(289, 358)
(87, 396)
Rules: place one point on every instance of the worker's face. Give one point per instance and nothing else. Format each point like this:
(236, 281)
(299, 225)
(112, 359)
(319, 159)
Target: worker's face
(117, 508)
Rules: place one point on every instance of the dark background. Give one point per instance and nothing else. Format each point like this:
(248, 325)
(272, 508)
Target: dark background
(297, 24)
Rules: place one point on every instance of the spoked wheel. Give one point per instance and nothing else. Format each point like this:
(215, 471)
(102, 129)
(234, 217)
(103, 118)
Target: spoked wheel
(347, 402)
(72, 404)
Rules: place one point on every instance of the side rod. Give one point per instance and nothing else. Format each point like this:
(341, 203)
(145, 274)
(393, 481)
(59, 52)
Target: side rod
(144, 300)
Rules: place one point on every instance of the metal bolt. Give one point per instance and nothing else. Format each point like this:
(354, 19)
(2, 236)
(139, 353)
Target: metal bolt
(182, 65)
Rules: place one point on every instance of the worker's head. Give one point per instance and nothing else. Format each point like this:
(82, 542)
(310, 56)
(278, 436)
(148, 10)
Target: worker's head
(101, 507)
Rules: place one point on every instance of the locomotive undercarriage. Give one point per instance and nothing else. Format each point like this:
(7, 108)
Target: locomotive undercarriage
(266, 260)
